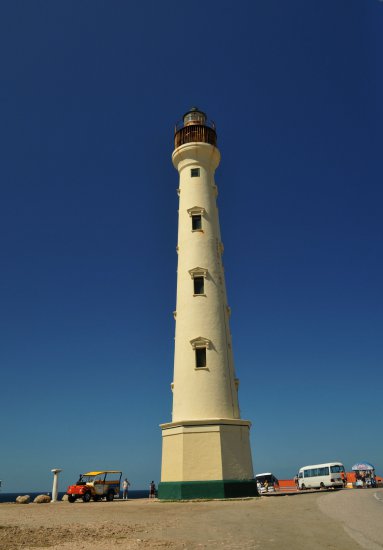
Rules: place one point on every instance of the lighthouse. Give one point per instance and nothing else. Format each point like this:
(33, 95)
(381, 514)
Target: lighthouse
(206, 447)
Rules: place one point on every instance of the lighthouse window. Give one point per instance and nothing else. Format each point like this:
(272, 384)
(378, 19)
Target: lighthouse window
(200, 358)
(196, 222)
(199, 285)
(194, 172)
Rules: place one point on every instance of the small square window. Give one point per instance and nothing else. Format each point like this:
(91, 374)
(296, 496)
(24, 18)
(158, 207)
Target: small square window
(199, 285)
(196, 222)
(194, 172)
(200, 358)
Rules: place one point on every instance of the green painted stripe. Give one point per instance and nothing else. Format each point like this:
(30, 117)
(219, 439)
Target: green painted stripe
(185, 490)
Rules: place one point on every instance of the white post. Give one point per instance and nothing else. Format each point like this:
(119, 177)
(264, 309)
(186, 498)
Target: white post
(56, 472)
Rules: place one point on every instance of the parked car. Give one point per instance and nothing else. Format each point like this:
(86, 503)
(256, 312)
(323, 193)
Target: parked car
(96, 485)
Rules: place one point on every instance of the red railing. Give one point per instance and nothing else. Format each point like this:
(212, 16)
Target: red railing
(195, 132)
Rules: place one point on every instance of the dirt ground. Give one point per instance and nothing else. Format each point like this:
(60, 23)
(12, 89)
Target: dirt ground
(298, 522)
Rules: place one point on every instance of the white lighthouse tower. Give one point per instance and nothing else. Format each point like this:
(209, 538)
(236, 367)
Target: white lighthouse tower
(205, 448)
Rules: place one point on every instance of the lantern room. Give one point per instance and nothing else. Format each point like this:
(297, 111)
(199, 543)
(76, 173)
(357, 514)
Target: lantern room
(195, 127)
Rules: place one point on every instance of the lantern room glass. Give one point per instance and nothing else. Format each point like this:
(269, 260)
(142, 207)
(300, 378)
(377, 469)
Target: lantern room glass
(194, 117)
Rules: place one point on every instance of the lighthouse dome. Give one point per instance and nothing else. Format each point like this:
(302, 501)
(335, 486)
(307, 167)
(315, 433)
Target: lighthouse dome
(194, 116)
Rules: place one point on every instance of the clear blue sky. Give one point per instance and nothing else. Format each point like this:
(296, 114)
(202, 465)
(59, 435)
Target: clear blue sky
(90, 92)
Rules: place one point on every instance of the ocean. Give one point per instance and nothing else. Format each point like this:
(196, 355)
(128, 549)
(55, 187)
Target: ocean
(11, 497)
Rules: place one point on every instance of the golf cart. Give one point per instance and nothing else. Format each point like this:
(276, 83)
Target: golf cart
(96, 485)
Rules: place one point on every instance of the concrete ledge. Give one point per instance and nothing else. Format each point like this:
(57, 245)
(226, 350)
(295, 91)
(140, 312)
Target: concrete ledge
(206, 422)
(226, 488)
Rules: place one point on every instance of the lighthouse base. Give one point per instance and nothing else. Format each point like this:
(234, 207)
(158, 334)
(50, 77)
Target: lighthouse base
(187, 490)
(206, 459)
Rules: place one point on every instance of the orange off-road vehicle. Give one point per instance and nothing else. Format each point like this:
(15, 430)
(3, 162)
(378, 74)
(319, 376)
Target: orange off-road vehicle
(96, 485)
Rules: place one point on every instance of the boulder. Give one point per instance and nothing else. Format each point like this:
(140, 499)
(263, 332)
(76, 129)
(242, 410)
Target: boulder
(25, 499)
(40, 499)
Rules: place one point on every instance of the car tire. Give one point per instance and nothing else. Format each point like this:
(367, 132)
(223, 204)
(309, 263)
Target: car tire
(322, 486)
(86, 497)
(110, 496)
(303, 487)
(96, 498)
(71, 498)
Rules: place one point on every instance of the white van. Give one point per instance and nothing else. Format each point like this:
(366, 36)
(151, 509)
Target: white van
(319, 476)
(272, 483)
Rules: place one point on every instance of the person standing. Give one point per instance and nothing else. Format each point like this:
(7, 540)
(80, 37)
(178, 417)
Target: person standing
(152, 490)
(125, 488)
(343, 475)
(296, 482)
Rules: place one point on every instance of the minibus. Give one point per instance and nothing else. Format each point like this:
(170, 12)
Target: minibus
(321, 476)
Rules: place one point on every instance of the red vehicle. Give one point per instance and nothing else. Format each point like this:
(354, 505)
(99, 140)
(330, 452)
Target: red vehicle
(96, 485)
